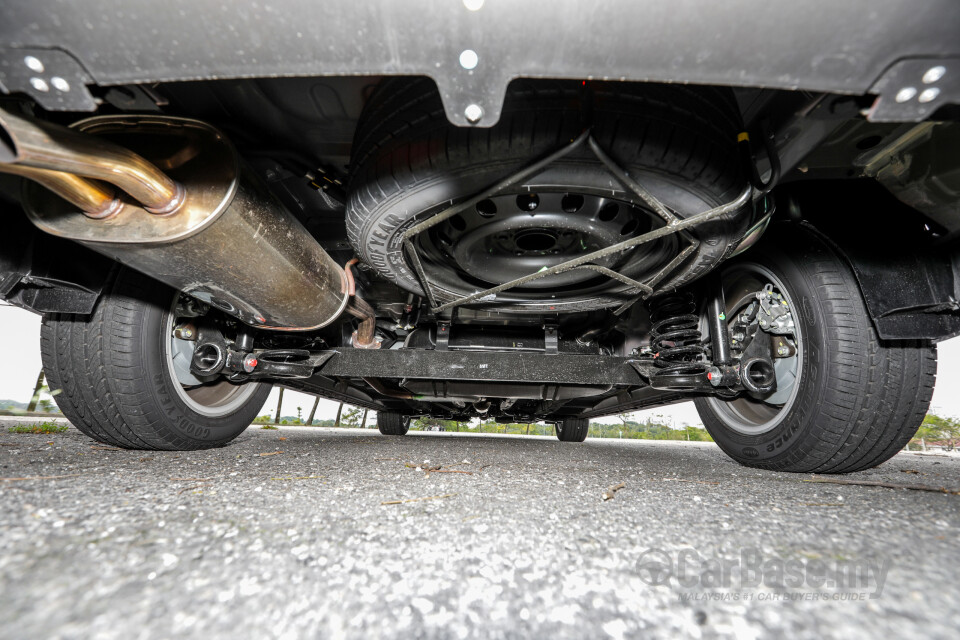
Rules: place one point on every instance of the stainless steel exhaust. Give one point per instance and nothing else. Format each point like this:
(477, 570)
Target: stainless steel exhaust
(189, 215)
(41, 145)
(94, 200)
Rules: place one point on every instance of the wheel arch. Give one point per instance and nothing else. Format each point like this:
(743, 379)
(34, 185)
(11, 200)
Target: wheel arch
(906, 267)
(46, 274)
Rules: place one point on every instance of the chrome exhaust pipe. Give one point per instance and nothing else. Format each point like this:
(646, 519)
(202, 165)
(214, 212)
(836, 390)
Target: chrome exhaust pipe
(186, 213)
(94, 200)
(45, 146)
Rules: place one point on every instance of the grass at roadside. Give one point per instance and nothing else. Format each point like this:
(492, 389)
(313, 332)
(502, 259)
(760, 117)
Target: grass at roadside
(39, 427)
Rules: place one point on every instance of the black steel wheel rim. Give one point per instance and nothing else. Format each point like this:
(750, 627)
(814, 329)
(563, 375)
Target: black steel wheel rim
(512, 235)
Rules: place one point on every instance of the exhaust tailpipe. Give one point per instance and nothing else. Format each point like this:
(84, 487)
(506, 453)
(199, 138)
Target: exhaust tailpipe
(184, 212)
(94, 200)
(45, 146)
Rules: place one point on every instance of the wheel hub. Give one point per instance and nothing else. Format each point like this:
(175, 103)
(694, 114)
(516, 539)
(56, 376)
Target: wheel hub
(752, 416)
(209, 398)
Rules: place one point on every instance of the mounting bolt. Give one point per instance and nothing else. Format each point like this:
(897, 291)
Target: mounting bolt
(250, 363)
(185, 331)
(782, 350)
(473, 113)
(715, 376)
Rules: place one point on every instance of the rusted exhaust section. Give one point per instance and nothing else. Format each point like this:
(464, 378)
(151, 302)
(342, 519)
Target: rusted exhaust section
(183, 212)
(384, 390)
(365, 337)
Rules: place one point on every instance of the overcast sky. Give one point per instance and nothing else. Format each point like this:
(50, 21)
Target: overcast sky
(21, 331)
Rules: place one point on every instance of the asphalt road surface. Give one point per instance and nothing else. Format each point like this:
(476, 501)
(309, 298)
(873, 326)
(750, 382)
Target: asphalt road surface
(311, 532)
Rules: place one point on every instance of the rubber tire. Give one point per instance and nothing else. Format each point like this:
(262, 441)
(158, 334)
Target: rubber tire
(860, 399)
(392, 424)
(111, 382)
(572, 429)
(680, 142)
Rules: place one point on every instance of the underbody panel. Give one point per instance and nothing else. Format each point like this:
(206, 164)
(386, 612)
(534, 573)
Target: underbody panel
(518, 210)
(851, 47)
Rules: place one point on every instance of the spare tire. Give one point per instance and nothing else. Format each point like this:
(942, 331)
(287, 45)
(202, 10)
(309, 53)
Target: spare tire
(411, 163)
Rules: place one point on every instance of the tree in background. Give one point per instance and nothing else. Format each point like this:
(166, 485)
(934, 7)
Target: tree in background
(313, 411)
(516, 428)
(938, 429)
(276, 418)
(43, 405)
(37, 390)
(655, 428)
(422, 423)
(430, 424)
(351, 418)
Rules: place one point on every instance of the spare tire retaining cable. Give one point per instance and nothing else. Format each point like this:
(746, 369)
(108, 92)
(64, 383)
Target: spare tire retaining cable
(674, 224)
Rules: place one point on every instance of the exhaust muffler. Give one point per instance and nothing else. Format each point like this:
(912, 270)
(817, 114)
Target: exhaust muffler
(184, 211)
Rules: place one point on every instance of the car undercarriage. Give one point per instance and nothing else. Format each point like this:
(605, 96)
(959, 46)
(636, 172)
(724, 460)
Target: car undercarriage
(463, 226)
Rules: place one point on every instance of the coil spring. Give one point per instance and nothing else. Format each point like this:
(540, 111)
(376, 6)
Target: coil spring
(675, 335)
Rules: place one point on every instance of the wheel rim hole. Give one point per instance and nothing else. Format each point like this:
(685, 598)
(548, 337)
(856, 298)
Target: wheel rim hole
(571, 203)
(486, 208)
(528, 202)
(458, 223)
(608, 212)
(536, 241)
(630, 227)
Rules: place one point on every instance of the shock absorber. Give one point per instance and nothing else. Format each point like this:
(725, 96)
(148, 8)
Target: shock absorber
(676, 342)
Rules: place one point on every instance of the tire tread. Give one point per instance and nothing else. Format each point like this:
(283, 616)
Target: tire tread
(100, 367)
(874, 394)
